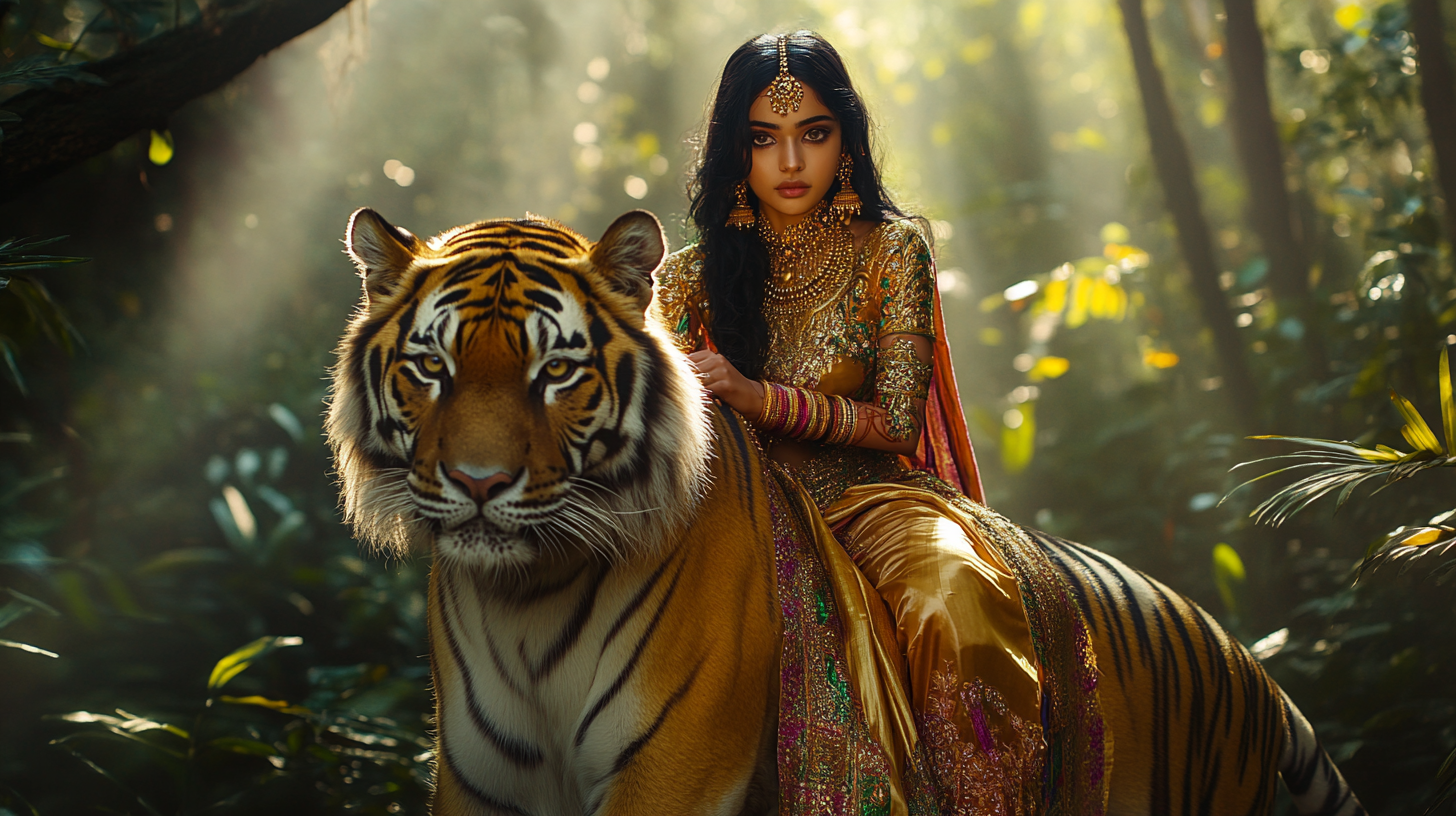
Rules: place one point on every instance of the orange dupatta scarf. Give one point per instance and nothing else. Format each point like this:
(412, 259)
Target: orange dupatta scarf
(945, 444)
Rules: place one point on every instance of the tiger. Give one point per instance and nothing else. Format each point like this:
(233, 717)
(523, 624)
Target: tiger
(603, 619)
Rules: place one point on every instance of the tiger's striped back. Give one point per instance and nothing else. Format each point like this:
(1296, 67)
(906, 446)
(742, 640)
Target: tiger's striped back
(1197, 726)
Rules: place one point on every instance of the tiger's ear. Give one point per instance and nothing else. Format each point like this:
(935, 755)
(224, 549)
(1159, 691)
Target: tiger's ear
(381, 251)
(629, 252)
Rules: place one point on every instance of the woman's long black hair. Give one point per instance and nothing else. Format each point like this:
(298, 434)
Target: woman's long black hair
(735, 264)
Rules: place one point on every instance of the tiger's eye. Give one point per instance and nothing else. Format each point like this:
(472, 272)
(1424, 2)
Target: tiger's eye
(556, 369)
(432, 363)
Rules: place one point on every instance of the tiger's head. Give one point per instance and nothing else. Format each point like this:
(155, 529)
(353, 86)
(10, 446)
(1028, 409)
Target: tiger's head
(500, 394)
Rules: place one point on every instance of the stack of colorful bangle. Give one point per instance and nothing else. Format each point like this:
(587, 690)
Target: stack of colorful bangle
(806, 414)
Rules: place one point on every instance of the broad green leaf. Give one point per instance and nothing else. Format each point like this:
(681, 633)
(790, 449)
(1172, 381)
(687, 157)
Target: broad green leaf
(1018, 437)
(1416, 431)
(240, 745)
(1228, 575)
(286, 420)
(73, 591)
(12, 366)
(235, 663)
(124, 721)
(35, 603)
(183, 558)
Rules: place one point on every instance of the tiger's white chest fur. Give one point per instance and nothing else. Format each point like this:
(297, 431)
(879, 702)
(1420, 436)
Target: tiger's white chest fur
(539, 699)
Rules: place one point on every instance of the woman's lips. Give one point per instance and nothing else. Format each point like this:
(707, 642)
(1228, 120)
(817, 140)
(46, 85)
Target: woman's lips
(793, 189)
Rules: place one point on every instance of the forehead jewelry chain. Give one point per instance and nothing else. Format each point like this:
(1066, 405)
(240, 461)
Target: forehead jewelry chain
(785, 93)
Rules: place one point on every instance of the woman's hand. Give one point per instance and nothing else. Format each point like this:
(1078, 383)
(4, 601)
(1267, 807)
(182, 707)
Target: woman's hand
(723, 381)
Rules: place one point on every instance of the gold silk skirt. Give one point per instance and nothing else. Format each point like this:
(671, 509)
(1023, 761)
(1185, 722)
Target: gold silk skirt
(939, 646)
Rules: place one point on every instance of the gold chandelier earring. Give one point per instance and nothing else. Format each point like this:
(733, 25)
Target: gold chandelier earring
(846, 202)
(742, 215)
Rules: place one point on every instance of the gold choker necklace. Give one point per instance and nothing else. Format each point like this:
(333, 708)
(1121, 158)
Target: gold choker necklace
(810, 259)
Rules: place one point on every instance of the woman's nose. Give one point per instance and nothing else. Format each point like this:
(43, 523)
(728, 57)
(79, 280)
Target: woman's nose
(791, 158)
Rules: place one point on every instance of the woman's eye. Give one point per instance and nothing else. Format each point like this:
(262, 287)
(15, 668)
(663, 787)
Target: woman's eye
(816, 135)
(432, 364)
(557, 369)
(762, 140)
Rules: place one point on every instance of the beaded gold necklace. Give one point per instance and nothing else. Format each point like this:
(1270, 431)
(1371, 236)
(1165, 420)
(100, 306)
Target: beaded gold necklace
(808, 260)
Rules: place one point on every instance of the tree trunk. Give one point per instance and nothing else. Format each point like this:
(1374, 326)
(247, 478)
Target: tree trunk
(1175, 174)
(1438, 97)
(71, 122)
(1270, 212)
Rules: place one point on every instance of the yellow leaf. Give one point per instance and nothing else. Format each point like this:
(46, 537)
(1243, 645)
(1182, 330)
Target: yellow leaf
(978, 50)
(1048, 368)
(1032, 15)
(264, 702)
(1211, 111)
(647, 145)
(1081, 295)
(1349, 15)
(235, 663)
(1424, 536)
(1448, 404)
(1104, 300)
(1228, 575)
(1115, 233)
(1054, 296)
(1383, 454)
(1091, 138)
(52, 42)
(1416, 431)
(1160, 359)
(161, 149)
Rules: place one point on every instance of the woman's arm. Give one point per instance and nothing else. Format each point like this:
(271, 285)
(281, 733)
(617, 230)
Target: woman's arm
(905, 280)
(902, 382)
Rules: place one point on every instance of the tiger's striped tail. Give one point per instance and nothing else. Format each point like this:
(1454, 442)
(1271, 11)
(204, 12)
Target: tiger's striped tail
(1309, 773)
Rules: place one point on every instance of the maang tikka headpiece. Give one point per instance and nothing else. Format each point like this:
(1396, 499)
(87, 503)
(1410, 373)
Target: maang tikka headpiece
(785, 93)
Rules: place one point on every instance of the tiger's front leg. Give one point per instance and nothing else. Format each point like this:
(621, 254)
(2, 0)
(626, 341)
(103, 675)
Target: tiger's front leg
(706, 724)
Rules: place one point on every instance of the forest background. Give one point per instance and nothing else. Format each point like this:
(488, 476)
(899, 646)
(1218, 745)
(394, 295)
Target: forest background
(1162, 226)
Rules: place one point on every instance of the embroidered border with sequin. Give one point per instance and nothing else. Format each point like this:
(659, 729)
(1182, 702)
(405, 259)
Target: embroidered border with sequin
(902, 379)
(1076, 739)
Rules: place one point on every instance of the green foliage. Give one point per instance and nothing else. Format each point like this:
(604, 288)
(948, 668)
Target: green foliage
(1344, 466)
(38, 313)
(335, 721)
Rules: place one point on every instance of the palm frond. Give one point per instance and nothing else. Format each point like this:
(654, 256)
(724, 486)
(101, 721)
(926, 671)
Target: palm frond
(1414, 546)
(16, 256)
(1343, 466)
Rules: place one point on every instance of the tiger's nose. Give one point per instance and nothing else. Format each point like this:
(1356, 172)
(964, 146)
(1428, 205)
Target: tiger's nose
(482, 490)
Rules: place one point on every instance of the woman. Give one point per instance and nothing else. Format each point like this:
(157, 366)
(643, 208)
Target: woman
(809, 305)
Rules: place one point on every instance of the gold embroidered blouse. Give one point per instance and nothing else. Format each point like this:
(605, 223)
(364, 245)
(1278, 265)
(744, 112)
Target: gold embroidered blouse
(835, 347)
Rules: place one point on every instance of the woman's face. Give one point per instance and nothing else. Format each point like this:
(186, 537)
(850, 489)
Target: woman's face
(795, 157)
